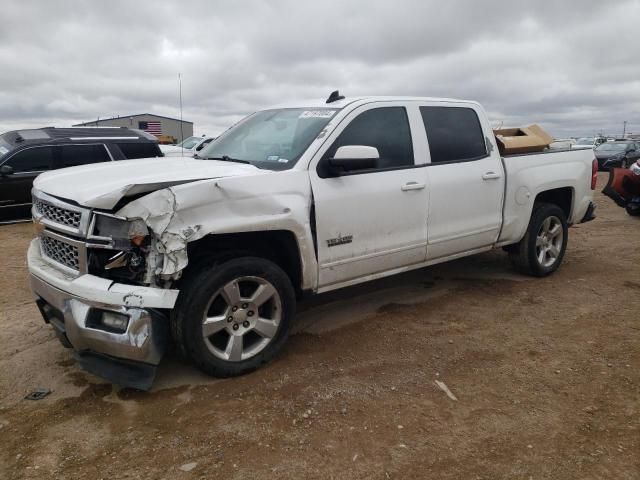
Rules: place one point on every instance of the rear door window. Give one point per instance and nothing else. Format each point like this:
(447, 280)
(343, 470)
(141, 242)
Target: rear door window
(139, 150)
(73, 155)
(454, 134)
(35, 159)
(385, 128)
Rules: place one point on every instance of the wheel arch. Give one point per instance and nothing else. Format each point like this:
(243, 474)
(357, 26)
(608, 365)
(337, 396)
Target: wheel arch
(279, 246)
(563, 197)
(517, 215)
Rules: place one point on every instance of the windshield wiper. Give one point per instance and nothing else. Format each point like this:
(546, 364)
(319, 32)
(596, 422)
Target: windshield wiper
(227, 158)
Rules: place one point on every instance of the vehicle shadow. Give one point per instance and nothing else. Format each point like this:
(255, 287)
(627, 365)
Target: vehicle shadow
(330, 311)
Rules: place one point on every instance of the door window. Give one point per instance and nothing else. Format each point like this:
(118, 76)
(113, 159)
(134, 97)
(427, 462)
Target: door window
(34, 159)
(73, 155)
(454, 134)
(139, 150)
(385, 128)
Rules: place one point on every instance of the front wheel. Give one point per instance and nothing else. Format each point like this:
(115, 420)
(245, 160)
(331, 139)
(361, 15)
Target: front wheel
(541, 250)
(235, 316)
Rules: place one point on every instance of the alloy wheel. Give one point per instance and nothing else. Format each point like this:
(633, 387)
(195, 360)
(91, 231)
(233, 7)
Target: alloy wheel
(242, 318)
(549, 241)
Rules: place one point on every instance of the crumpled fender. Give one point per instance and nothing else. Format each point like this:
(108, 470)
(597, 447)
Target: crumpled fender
(159, 210)
(184, 213)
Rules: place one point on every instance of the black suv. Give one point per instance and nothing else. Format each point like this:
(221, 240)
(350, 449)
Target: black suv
(24, 154)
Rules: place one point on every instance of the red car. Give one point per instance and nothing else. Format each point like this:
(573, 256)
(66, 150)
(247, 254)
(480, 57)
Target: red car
(624, 188)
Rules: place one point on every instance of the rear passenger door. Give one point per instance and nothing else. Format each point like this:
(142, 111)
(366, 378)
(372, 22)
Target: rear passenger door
(465, 180)
(81, 154)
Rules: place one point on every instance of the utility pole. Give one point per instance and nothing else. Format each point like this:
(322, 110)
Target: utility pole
(624, 128)
(180, 95)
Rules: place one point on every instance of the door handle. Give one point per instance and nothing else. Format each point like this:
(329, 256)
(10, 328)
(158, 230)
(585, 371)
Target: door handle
(412, 186)
(491, 176)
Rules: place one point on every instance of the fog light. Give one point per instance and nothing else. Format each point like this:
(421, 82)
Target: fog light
(115, 321)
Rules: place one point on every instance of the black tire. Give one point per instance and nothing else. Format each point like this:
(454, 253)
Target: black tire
(633, 209)
(524, 255)
(196, 294)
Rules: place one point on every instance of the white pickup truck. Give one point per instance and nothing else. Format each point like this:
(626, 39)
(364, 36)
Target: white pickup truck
(295, 200)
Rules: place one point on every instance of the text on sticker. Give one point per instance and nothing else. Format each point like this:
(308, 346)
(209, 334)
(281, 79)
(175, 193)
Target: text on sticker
(317, 114)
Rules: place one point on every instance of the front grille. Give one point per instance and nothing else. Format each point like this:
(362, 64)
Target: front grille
(59, 215)
(60, 252)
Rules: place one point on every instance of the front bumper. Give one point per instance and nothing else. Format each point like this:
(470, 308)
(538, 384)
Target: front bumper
(68, 303)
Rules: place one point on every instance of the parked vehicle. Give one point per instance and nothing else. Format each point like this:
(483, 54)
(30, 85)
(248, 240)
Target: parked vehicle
(617, 154)
(291, 201)
(587, 142)
(562, 143)
(190, 147)
(623, 188)
(24, 154)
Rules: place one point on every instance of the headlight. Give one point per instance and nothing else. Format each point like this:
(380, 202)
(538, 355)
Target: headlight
(117, 248)
(123, 233)
(138, 232)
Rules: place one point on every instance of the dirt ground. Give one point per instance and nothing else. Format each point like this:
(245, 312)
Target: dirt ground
(545, 372)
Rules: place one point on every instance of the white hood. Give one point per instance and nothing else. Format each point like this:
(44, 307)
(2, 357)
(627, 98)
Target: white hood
(103, 185)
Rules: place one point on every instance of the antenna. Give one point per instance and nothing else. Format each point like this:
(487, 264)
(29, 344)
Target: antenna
(181, 123)
(334, 97)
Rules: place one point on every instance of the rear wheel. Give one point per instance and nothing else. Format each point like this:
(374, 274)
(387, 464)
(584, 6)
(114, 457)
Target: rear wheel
(542, 249)
(235, 316)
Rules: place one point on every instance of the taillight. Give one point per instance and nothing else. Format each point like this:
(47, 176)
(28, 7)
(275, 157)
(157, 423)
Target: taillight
(594, 174)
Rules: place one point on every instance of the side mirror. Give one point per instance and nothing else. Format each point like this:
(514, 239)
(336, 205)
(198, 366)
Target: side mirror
(6, 170)
(353, 157)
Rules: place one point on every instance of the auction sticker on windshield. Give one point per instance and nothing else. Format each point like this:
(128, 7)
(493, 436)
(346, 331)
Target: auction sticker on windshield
(317, 114)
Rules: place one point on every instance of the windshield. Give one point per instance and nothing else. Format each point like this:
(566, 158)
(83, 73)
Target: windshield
(190, 142)
(271, 139)
(585, 141)
(612, 147)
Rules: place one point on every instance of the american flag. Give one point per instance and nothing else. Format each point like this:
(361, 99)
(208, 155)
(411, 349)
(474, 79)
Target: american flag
(154, 128)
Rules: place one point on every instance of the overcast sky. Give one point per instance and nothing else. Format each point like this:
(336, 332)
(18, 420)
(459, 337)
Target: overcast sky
(572, 66)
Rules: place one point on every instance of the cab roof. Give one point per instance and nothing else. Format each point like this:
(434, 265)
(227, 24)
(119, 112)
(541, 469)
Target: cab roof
(339, 104)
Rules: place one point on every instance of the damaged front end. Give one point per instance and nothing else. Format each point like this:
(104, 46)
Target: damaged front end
(104, 270)
(92, 274)
(623, 188)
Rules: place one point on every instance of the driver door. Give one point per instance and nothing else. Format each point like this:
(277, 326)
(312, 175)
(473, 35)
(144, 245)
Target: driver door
(371, 221)
(15, 187)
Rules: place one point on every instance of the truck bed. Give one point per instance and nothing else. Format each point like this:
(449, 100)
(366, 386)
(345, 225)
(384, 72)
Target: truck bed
(528, 174)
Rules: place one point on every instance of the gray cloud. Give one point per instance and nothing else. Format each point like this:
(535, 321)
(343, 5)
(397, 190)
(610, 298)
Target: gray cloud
(572, 66)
